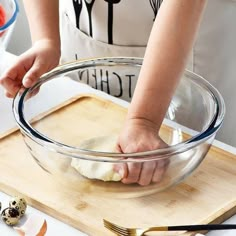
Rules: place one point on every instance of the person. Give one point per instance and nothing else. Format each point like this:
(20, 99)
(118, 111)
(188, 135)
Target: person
(161, 31)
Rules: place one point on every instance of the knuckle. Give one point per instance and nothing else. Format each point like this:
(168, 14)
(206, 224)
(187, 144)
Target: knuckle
(7, 94)
(144, 182)
(34, 74)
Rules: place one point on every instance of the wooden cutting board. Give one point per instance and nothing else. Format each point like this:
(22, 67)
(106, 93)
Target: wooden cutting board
(209, 195)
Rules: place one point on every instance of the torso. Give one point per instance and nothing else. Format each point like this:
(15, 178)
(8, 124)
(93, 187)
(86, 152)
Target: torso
(124, 22)
(213, 55)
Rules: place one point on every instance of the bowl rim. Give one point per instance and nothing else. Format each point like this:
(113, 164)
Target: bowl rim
(76, 152)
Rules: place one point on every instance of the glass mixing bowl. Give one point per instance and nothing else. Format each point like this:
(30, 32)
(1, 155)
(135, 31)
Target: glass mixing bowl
(70, 128)
(8, 13)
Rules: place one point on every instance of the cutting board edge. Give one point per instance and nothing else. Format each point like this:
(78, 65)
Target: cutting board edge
(217, 218)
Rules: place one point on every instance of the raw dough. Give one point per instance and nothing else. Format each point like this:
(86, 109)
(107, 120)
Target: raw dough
(97, 170)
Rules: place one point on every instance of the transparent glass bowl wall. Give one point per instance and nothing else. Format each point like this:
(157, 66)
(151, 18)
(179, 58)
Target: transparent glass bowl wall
(192, 120)
(11, 10)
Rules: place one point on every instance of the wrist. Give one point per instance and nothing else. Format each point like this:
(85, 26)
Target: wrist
(53, 44)
(50, 44)
(142, 122)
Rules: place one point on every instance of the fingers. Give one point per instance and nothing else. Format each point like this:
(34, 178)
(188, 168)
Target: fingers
(161, 166)
(121, 169)
(8, 94)
(146, 169)
(31, 77)
(146, 174)
(143, 173)
(10, 82)
(23, 73)
(11, 79)
(133, 173)
(132, 170)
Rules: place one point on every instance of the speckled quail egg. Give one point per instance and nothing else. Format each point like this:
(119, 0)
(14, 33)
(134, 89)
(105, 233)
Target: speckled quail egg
(0, 206)
(10, 216)
(18, 203)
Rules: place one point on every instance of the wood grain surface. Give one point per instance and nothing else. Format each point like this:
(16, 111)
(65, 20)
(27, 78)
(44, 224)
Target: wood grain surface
(207, 196)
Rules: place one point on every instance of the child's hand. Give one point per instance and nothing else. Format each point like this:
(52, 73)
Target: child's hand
(140, 135)
(39, 59)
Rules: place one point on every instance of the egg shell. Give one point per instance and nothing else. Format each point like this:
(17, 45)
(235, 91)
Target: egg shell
(18, 203)
(35, 226)
(10, 216)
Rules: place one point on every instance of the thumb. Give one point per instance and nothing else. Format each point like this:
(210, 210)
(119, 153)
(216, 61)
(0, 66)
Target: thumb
(120, 168)
(118, 148)
(31, 77)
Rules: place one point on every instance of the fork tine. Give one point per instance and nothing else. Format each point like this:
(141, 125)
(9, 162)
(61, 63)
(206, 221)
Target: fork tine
(112, 224)
(106, 222)
(116, 228)
(117, 232)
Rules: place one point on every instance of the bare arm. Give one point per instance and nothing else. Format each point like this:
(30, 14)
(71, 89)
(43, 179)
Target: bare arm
(43, 18)
(167, 51)
(44, 55)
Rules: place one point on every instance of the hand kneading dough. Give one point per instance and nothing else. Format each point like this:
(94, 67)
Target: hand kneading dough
(97, 170)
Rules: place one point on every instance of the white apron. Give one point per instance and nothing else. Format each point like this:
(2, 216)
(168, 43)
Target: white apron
(213, 55)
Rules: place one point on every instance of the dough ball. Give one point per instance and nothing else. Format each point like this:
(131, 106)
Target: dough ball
(95, 169)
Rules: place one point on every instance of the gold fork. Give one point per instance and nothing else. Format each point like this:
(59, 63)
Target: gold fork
(122, 231)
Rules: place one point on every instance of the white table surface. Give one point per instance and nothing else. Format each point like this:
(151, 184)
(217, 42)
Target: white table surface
(55, 227)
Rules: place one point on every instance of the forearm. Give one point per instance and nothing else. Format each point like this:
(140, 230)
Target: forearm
(167, 51)
(43, 18)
